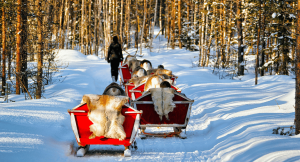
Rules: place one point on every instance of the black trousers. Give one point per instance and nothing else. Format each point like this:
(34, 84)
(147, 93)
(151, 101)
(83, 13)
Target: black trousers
(114, 64)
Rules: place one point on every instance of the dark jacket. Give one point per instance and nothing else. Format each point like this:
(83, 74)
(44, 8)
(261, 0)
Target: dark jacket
(114, 52)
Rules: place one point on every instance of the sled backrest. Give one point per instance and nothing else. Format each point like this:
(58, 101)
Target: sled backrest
(124, 73)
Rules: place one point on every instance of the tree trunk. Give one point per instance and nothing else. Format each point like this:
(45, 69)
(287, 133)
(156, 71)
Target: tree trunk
(203, 34)
(153, 24)
(105, 17)
(240, 39)
(195, 19)
(114, 16)
(262, 70)
(179, 24)
(145, 19)
(258, 43)
(40, 51)
(55, 24)
(101, 27)
(173, 24)
(188, 14)
(88, 29)
(3, 50)
(96, 34)
(188, 24)
(297, 95)
(160, 17)
(142, 31)
(73, 27)
(61, 25)
(24, 79)
(108, 28)
(204, 60)
(128, 24)
(168, 20)
(136, 34)
(82, 26)
(9, 63)
(223, 57)
(121, 23)
(229, 36)
(66, 26)
(18, 48)
(212, 30)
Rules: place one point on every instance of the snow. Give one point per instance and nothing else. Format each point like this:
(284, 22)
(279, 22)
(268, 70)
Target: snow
(231, 120)
(292, 16)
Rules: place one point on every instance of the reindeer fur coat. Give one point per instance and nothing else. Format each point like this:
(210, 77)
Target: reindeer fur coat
(163, 101)
(105, 114)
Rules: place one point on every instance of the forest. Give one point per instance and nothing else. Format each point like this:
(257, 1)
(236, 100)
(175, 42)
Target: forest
(221, 31)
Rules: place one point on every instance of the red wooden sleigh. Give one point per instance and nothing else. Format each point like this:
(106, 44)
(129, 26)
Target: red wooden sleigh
(80, 124)
(178, 118)
(128, 88)
(125, 74)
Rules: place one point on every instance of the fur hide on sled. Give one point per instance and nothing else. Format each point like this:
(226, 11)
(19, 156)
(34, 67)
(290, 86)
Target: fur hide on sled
(153, 82)
(164, 71)
(151, 71)
(138, 72)
(160, 71)
(105, 114)
(146, 64)
(139, 80)
(163, 101)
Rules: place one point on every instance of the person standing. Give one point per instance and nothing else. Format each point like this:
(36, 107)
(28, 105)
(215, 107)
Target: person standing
(114, 57)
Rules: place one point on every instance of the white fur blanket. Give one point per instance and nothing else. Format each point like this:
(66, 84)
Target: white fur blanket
(105, 113)
(163, 101)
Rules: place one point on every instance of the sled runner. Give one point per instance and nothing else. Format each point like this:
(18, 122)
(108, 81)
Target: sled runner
(81, 127)
(125, 74)
(137, 91)
(178, 118)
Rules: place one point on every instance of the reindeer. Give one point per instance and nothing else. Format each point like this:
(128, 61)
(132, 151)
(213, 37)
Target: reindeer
(128, 58)
(133, 64)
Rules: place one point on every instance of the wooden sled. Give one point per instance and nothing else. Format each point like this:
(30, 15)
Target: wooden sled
(178, 118)
(128, 88)
(125, 74)
(81, 127)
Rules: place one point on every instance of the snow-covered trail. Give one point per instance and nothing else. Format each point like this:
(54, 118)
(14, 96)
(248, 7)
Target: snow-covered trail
(231, 120)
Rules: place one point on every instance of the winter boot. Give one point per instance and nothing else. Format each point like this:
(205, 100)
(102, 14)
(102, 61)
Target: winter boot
(114, 79)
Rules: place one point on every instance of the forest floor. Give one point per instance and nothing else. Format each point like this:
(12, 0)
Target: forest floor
(231, 119)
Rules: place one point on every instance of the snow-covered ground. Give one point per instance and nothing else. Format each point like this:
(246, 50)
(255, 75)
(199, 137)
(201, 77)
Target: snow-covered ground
(231, 120)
